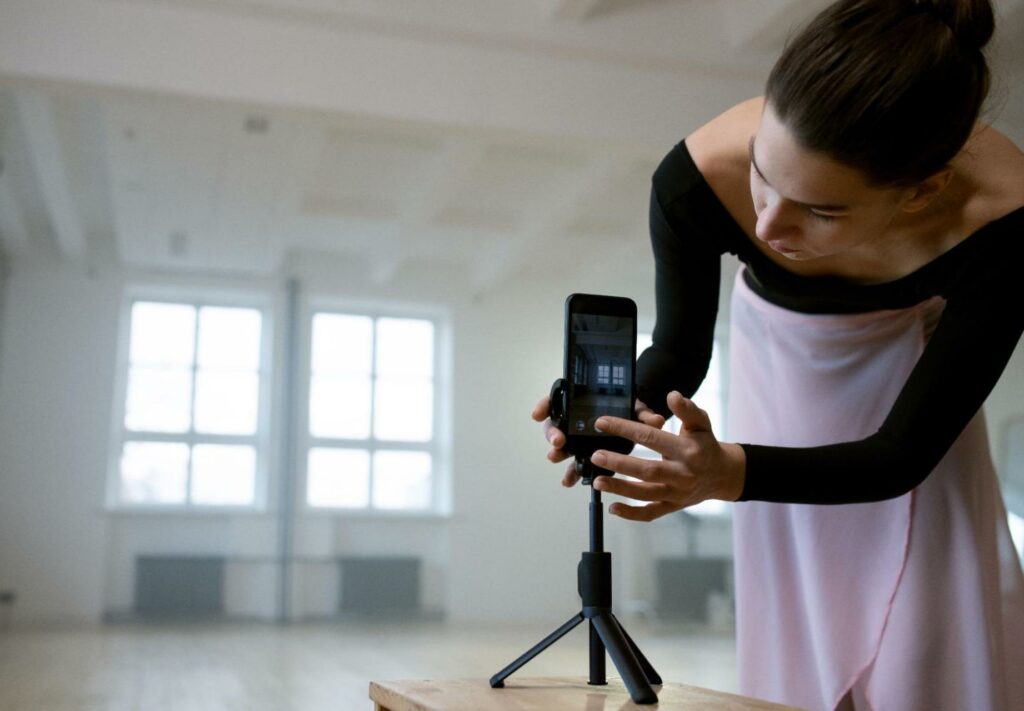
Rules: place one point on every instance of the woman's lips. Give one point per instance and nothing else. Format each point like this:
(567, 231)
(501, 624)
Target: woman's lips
(780, 247)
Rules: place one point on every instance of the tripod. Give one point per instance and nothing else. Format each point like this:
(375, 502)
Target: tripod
(594, 580)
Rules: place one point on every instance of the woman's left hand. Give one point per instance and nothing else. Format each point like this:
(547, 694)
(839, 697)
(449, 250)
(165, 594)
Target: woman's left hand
(694, 466)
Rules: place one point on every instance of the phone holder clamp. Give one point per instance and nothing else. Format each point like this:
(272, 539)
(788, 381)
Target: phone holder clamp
(585, 469)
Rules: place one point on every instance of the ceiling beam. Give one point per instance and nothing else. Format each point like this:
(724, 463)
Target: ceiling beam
(13, 233)
(578, 10)
(448, 173)
(213, 51)
(766, 24)
(1010, 7)
(547, 222)
(39, 128)
(1009, 19)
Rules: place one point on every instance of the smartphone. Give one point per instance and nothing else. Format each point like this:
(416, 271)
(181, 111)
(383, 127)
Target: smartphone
(599, 370)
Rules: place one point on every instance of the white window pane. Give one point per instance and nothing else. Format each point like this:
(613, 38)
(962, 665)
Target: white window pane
(229, 338)
(153, 472)
(711, 507)
(404, 410)
(342, 344)
(158, 400)
(223, 475)
(1016, 532)
(339, 407)
(643, 342)
(338, 477)
(226, 403)
(709, 396)
(162, 334)
(405, 347)
(401, 480)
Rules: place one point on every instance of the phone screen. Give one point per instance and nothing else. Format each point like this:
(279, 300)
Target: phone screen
(600, 370)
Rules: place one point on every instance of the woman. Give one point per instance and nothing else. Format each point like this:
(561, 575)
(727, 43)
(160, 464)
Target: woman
(882, 232)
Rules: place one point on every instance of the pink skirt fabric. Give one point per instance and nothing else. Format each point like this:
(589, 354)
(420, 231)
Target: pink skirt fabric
(912, 603)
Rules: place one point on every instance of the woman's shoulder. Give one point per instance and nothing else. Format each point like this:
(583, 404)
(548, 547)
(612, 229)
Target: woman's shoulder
(994, 166)
(719, 147)
(720, 150)
(716, 156)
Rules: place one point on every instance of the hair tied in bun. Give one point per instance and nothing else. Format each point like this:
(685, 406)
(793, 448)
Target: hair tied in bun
(970, 21)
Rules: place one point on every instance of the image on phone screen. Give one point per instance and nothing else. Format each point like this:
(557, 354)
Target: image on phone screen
(601, 351)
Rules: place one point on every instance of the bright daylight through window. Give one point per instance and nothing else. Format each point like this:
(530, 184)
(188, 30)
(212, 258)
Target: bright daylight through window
(371, 413)
(191, 406)
(709, 397)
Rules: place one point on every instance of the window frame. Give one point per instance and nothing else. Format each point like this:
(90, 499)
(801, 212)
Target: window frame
(439, 446)
(261, 439)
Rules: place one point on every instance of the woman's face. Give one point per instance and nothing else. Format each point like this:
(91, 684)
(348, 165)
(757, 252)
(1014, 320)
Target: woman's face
(807, 204)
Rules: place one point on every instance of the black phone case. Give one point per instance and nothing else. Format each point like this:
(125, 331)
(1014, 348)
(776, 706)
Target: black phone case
(561, 394)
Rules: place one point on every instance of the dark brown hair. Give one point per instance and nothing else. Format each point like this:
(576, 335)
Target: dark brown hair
(892, 88)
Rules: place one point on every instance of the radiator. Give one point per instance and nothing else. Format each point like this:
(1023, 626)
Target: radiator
(179, 586)
(374, 585)
(685, 584)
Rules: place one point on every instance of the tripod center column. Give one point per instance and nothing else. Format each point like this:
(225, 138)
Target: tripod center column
(596, 522)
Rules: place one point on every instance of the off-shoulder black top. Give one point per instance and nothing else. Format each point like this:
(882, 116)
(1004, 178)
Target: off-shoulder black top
(979, 328)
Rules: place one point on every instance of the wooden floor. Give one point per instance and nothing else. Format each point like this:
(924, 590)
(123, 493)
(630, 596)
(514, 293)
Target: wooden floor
(324, 667)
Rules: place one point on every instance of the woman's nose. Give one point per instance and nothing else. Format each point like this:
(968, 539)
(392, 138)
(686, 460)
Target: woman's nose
(774, 221)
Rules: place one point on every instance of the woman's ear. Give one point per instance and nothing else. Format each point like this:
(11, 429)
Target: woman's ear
(920, 196)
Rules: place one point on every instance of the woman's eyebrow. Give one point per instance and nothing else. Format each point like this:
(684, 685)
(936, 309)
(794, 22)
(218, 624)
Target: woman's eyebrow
(750, 146)
(809, 206)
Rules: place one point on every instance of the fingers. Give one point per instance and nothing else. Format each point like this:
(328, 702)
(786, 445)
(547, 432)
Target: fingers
(652, 419)
(648, 512)
(640, 490)
(692, 417)
(571, 477)
(648, 416)
(554, 436)
(643, 469)
(541, 409)
(556, 455)
(639, 432)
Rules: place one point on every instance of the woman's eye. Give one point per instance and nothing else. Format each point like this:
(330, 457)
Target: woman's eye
(823, 218)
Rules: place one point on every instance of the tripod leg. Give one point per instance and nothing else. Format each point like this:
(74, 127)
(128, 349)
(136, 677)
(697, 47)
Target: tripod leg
(597, 672)
(623, 658)
(652, 676)
(498, 680)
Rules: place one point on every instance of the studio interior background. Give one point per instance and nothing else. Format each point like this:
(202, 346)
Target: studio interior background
(283, 279)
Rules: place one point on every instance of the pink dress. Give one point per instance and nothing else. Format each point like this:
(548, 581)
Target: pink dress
(915, 603)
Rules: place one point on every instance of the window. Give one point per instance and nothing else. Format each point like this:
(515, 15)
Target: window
(619, 375)
(189, 434)
(709, 397)
(372, 404)
(603, 374)
(1016, 524)
(580, 369)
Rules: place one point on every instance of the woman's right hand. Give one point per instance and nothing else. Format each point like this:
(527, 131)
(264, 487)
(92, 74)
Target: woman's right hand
(556, 438)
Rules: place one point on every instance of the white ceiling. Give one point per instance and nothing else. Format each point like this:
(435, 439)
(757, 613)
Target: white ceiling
(482, 136)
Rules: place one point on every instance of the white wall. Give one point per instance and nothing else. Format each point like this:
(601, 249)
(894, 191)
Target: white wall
(56, 370)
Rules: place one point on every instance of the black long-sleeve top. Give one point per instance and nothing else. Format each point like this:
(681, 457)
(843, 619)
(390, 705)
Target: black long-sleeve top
(979, 328)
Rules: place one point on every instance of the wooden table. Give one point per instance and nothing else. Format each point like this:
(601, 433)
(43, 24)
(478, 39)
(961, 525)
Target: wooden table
(554, 693)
